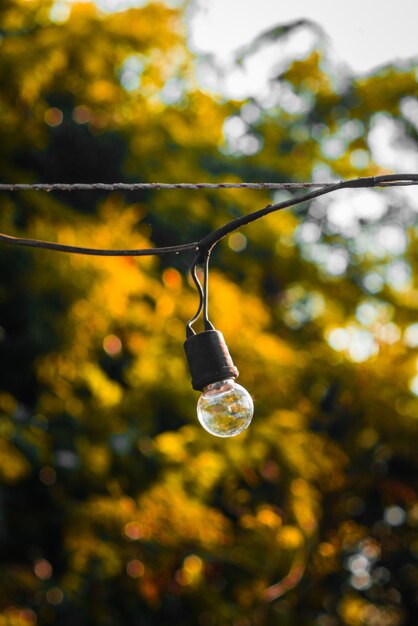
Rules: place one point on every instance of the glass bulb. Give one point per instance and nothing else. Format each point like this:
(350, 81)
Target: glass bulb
(225, 408)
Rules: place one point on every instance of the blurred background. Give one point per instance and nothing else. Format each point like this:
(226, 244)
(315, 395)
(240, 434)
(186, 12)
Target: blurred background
(115, 506)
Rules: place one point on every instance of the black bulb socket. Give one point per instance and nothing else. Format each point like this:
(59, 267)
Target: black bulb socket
(209, 359)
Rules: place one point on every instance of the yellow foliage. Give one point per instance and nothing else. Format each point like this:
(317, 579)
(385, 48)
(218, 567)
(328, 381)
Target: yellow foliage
(231, 309)
(205, 471)
(288, 419)
(308, 74)
(17, 616)
(373, 93)
(106, 392)
(102, 92)
(171, 444)
(353, 610)
(171, 516)
(268, 517)
(96, 457)
(86, 548)
(108, 512)
(273, 349)
(289, 538)
(13, 464)
(325, 559)
(191, 572)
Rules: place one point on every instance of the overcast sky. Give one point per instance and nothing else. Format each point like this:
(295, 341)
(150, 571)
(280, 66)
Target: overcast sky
(364, 33)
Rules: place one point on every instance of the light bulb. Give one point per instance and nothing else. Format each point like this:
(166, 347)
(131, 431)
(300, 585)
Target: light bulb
(225, 409)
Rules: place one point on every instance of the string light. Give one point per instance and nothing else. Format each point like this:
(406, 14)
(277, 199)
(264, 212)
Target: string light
(224, 409)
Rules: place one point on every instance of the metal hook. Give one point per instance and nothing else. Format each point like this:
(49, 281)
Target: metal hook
(202, 260)
(206, 321)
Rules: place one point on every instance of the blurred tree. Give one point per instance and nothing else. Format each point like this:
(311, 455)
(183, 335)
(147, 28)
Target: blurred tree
(116, 506)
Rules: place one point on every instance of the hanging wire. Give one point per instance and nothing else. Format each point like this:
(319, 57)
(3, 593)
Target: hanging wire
(48, 187)
(203, 247)
(209, 241)
(157, 186)
(62, 247)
